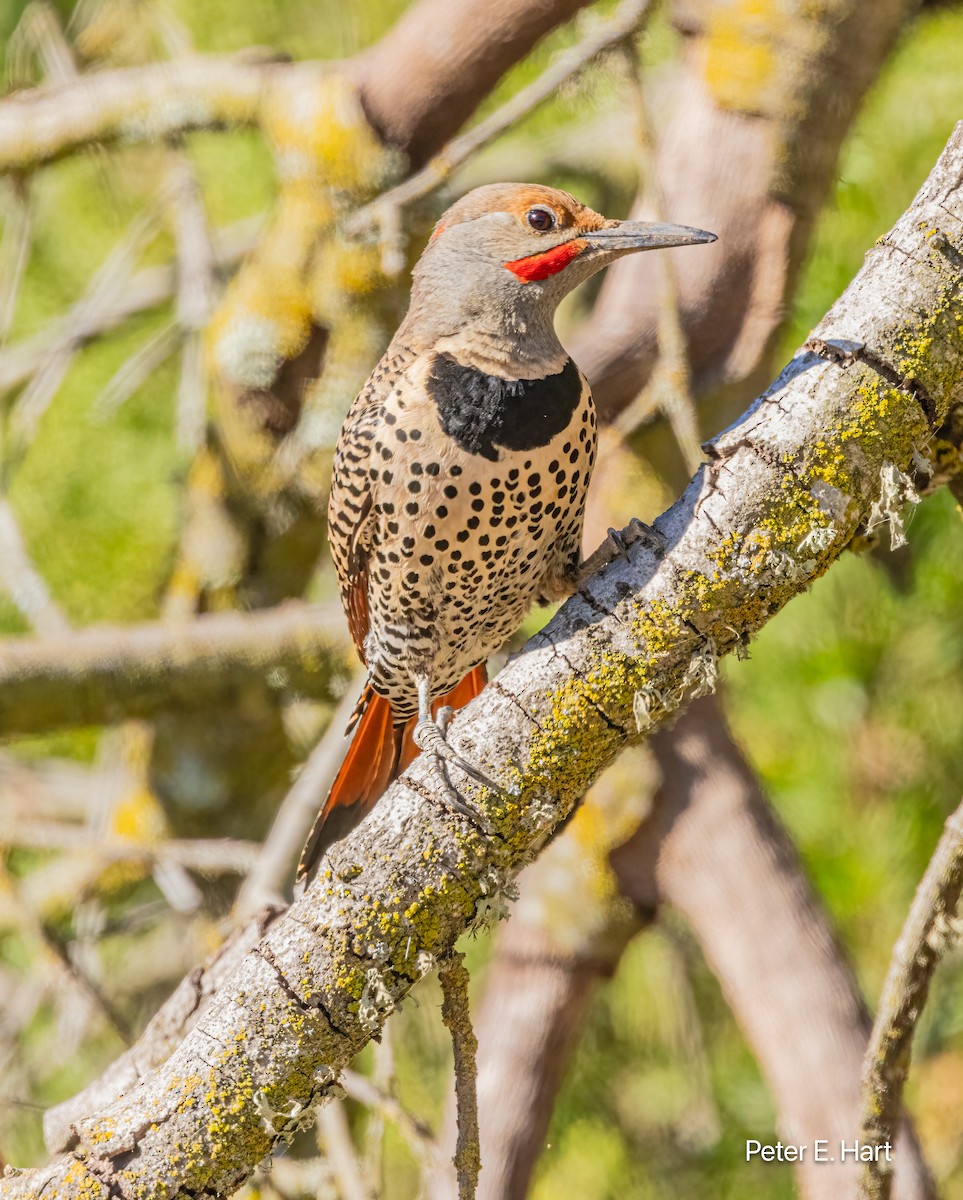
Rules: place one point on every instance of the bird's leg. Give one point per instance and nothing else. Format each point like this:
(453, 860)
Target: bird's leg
(617, 544)
(429, 736)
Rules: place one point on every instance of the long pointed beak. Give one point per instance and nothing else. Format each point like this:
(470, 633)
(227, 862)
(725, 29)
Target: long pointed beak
(646, 235)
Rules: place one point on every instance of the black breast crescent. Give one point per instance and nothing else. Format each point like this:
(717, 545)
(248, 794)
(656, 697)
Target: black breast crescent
(484, 412)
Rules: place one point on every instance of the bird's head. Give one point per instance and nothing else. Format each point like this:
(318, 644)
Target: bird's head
(502, 257)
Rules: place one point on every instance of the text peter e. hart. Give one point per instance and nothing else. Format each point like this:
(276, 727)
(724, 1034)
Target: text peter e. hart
(821, 1151)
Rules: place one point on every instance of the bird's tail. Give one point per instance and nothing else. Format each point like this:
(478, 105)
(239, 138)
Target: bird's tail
(380, 750)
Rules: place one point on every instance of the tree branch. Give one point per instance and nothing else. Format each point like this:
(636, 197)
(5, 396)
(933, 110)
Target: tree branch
(100, 675)
(453, 977)
(625, 21)
(429, 73)
(132, 104)
(711, 848)
(928, 930)
(207, 855)
(782, 496)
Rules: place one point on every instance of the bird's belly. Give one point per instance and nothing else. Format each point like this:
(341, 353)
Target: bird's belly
(460, 549)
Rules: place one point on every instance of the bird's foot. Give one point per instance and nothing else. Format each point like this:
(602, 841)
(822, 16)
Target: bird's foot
(636, 531)
(617, 544)
(429, 736)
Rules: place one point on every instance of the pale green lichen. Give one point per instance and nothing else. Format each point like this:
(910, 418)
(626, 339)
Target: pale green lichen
(895, 493)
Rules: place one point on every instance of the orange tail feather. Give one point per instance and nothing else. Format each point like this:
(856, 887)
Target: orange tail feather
(369, 766)
(379, 752)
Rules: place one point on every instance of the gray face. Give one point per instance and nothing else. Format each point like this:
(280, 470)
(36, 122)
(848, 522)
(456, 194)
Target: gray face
(466, 266)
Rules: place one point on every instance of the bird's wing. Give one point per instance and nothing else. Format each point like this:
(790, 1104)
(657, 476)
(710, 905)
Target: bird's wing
(354, 582)
(351, 511)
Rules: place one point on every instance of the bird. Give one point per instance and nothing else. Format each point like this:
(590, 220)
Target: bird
(460, 475)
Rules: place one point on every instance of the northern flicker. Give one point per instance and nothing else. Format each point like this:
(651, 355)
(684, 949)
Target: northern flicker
(461, 472)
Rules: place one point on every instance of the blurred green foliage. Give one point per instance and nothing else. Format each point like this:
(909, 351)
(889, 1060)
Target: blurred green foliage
(851, 707)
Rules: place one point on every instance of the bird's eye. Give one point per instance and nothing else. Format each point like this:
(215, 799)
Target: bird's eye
(541, 219)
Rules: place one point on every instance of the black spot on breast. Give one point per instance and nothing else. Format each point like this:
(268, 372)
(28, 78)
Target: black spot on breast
(482, 412)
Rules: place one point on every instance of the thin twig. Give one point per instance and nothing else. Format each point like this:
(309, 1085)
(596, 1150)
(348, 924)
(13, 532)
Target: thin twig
(113, 274)
(209, 856)
(416, 1133)
(334, 1139)
(191, 404)
(14, 251)
(141, 292)
(39, 33)
(68, 971)
(626, 19)
(173, 33)
(21, 580)
(928, 930)
(195, 296)
(669, 390)
(195, 251)
(453, 976)
(169, 1025)
(135, 371)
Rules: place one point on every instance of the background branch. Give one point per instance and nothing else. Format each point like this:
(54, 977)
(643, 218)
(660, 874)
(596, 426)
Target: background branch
(930, 928)
(96, 676)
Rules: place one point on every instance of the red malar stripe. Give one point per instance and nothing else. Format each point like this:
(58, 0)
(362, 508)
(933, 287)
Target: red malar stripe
(549, 262)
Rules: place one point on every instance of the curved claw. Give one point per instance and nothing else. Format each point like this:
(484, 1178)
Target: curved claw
(430, 737)
(636, 531)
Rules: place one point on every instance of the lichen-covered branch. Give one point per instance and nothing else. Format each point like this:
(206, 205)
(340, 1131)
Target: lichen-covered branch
(929, 929)
(454, 1012)
(782, 495)
(133, 104)
(100, 675)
